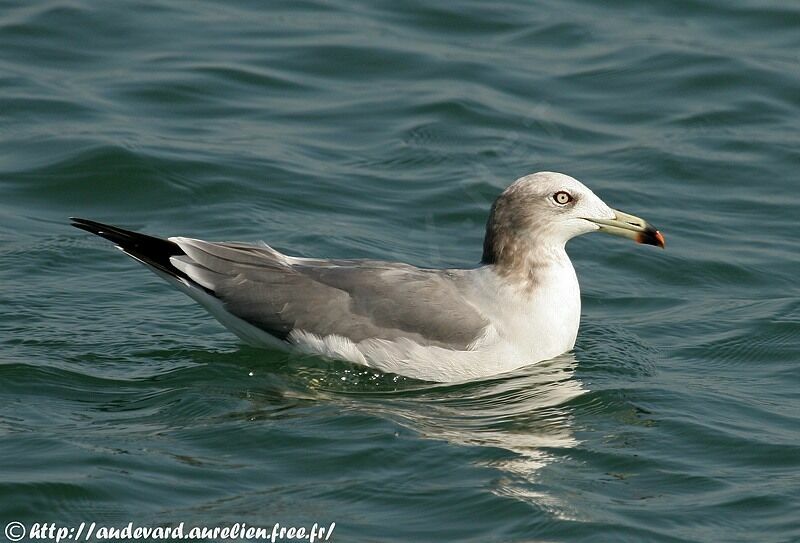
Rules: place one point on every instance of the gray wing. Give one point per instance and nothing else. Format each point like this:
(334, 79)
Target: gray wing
(357, 299)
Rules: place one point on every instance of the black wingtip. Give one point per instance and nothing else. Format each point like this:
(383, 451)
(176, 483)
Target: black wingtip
(89, 226)
(153, 251)
(127, 239)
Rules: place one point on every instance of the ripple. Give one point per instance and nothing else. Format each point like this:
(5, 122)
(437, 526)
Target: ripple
(384, 130)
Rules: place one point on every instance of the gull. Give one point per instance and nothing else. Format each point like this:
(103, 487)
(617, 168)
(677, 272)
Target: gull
(519, 306)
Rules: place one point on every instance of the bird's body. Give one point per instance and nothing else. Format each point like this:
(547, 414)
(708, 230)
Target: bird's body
(521, 305)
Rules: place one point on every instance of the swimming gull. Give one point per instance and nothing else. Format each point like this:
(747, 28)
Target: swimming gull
(521, 305)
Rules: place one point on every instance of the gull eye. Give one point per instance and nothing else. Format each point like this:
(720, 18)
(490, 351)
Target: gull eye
(562, 198)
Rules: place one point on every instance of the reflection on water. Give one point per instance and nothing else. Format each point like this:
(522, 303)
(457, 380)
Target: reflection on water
(525, 413)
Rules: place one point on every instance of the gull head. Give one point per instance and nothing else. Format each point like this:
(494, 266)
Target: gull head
(539, 213)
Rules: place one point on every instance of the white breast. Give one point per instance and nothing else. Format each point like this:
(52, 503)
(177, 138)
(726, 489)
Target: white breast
(540, 319)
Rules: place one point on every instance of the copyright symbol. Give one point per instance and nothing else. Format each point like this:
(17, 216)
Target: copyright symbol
(15, 531)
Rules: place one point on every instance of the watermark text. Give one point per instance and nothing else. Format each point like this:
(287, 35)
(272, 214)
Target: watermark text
(94, 532)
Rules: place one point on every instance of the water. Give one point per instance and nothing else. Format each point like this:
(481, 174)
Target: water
(384, 130)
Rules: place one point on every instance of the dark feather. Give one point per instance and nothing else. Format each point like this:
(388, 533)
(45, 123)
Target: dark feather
(151, 250)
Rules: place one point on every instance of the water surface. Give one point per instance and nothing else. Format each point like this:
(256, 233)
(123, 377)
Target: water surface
(384, 130)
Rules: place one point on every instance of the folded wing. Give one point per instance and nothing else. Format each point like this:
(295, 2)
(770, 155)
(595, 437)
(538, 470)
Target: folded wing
(355, 299)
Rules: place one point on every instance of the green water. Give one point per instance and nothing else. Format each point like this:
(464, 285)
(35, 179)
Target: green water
(384, 130)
